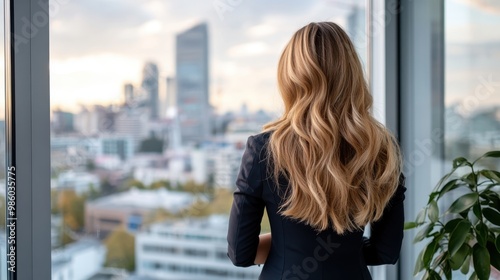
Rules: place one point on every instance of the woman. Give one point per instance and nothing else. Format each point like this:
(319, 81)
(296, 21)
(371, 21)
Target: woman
(323, 171)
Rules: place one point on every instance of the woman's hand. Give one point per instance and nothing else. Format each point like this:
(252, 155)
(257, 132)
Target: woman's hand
(263, 249)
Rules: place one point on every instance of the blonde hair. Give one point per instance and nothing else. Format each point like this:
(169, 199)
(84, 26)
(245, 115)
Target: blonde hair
(342, 165)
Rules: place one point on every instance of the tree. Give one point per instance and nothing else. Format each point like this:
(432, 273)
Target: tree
(151, 145)
(72, 207)
(93, 193)
(160, 184)
(133, 183)
(120, 249)
(193, 187)
(107, 187)
(66, 238)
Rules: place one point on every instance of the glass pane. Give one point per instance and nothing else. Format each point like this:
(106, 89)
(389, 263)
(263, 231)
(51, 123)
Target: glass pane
(152, 102)
(472, 47)
(472, 78)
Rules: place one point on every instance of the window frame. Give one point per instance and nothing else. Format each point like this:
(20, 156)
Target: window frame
(28, 132)
(28, 112)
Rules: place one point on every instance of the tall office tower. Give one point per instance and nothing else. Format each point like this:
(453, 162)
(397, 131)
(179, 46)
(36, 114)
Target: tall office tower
(150, 86)
(171, 91)
(128, 92)
(62, 122)
(192, 84)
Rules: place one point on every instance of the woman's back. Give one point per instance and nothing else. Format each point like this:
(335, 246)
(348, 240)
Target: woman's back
(323, 170)
(299, 251)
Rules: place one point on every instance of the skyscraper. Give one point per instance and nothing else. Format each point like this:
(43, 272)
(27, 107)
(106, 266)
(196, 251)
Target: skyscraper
(150, 86)
(192, 84)
(128, 91)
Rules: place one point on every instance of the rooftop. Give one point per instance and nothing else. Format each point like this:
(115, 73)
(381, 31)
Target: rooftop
(146, 199)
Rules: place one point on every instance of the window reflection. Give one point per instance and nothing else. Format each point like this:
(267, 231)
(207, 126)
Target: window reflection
(152, 104)
(472, 113)
(472, 118)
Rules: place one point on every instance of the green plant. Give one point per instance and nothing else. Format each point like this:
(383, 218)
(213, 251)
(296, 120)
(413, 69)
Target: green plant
(466, 234)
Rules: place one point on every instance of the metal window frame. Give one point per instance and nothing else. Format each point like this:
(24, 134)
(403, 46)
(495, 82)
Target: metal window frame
(28, 133)
(28, 111)
(421, 107)
(383, 24)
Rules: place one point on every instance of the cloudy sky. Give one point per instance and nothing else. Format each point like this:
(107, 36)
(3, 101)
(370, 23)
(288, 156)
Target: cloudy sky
(97, 46)
(472, 54)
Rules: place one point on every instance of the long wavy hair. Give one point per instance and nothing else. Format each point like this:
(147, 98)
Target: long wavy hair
(342, 165)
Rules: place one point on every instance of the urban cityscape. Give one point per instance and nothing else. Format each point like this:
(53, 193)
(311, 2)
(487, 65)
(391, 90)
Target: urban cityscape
(129, 174)
(141, 188)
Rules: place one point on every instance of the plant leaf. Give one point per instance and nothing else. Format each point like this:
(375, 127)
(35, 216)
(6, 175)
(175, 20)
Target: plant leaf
(423, 233)
(482, 233)
(430, 250)
(494, 255)
(492, 215)
(463, 203)
(421, 217)
(476, 209)
(470, 179)
(452, 224)
(419, 265)
(446, 267)
(457, 237)
(481, 260)
(473, 276)
(466, 265)
(432, 196)
(497, 242)
(457, 260)
(451, 185)
(433, 275)
(493, 154)
(460, 161)
(410, 225)
(491, 174)
(433, 211)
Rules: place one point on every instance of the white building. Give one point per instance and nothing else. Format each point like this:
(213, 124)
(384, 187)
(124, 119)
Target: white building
(226, 163)
(133, 124)
(80, 182)
(188, 249)
(78, 261)
(131, 209)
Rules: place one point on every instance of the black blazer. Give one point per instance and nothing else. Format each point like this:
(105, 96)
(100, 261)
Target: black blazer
(297, 250)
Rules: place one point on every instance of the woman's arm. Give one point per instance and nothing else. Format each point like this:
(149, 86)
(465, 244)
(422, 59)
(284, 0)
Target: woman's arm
(384, 244)
(263, 249)
(247, 209)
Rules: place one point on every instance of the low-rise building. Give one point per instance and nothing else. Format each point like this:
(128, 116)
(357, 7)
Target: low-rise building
(188, 249)
(79, 260)
(131, 208)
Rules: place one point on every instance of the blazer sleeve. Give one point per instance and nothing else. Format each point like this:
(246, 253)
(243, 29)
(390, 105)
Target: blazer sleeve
(384, 244)
(247, 209)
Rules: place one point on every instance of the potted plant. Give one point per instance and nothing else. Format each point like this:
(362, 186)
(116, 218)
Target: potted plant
(466, 235)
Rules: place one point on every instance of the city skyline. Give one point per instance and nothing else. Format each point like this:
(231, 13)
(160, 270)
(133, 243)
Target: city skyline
(244, 49)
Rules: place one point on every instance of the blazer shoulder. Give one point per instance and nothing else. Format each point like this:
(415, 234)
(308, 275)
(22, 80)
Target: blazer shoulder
(261, 139)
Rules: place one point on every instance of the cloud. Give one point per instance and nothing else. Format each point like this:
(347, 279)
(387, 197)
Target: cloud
(250, 38)
(151, 27)
(249, 49)
(491, 6)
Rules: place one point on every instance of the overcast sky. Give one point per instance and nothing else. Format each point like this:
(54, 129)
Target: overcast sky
(97, 46)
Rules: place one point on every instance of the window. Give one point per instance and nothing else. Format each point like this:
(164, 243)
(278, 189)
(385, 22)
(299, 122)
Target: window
(134, 84)
(116, 107)
(472, 79)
